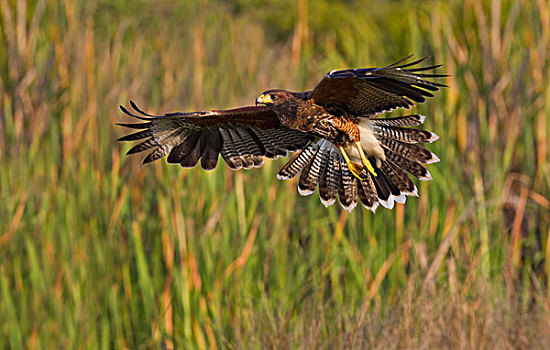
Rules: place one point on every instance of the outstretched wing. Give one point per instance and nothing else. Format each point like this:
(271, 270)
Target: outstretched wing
(243, 136)
(369, 91)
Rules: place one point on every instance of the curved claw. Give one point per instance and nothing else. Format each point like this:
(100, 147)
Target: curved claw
(355, 168)
(366, 162)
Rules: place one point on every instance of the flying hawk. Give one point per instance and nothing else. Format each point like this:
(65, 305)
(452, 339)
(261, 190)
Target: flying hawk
(339, 146)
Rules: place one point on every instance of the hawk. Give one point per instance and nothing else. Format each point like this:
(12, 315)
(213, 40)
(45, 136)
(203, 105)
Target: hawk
(339, 146)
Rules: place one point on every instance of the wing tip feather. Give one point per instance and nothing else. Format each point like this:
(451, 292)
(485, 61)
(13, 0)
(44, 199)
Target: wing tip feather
(127, 112)
(136, 108)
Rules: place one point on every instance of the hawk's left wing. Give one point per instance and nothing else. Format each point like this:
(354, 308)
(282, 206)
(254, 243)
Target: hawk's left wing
(369, 91)
(243, 136)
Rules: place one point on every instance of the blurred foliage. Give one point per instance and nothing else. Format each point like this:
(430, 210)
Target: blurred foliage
(98, 251)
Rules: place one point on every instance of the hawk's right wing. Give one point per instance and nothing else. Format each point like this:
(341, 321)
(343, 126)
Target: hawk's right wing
(369, 91)
(243, 136)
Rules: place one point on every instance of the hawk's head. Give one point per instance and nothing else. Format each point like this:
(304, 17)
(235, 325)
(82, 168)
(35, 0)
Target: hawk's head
(283, 103)
(274, 98)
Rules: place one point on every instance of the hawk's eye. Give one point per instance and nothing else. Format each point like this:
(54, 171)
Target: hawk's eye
(273, 97)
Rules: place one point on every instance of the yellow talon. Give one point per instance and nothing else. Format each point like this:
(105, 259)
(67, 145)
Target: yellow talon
(364, 159)
(355, 168)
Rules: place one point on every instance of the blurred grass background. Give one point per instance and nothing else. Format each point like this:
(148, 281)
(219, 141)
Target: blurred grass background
(97, 251)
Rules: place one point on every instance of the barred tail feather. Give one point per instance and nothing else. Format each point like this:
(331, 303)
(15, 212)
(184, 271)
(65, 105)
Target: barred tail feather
(408, 135)
(367, 194)
(347, 191)
(411, 166)
(312, 171)
(329, 178)
(298, 162)
(410, 151)
(399, 178)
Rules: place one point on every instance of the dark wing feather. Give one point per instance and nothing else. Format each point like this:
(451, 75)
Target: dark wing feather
(243, 136)
(369, 91)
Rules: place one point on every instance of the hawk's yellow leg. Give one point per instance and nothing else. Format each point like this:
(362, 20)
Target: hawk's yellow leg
(364, 159)
(355, 168)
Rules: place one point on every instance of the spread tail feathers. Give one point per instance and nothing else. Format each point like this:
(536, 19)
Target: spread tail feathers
(321, 164)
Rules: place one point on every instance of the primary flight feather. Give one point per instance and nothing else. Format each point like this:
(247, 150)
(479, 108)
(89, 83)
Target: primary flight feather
(339, 146)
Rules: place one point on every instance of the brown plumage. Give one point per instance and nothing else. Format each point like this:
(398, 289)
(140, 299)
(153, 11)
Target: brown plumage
(339, 147)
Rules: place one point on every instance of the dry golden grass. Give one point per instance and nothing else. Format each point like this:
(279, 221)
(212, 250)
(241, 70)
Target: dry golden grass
(98, 251)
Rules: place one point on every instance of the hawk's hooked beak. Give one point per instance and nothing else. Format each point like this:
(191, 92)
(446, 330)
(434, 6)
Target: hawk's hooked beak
(264, 99)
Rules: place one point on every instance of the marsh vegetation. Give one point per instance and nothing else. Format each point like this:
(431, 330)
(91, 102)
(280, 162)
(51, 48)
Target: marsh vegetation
(98, 251)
